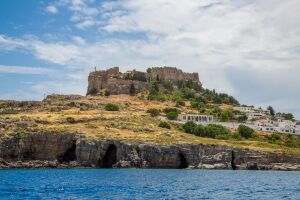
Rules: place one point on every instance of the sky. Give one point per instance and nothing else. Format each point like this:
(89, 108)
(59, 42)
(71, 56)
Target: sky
(247, 48)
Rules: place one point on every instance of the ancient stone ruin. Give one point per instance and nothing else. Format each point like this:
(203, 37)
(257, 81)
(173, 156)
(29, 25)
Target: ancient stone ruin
(116, 82)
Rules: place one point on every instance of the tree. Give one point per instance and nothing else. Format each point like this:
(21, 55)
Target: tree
(287, 116)
(271, 109)
(245, 131)
(132, 89)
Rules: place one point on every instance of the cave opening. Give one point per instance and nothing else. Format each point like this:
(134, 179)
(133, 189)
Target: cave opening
(233, 160)
(110, 157)
(70, 154)
(182, 161)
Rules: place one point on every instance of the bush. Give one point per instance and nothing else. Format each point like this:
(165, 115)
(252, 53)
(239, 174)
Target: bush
(189, 127)
(111, 107)
(19, 135)
(212, 130)
(70, 120)
(274, 138)
(164, 124)
(153, 112)
(246, 132)
(180, 102)
(199, 130)
(172, 115)
(167, 110)
(106, 93)
(93, 91)
(132, 89)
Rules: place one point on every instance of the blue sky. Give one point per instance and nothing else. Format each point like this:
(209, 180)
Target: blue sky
(249, 49)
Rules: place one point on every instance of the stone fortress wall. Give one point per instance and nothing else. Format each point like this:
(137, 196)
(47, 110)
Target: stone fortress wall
(172, 74)
(117, 82)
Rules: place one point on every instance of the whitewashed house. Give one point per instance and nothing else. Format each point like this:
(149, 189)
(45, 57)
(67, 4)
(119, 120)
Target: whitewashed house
(201, 119)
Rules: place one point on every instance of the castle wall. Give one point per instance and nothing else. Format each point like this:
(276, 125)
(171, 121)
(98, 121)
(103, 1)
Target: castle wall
(114, 81)
(121, 86)
(172, 74)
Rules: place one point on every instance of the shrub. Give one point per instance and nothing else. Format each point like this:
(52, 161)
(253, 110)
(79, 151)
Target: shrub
(189, 127)
(167, 110)
(223, 137)
(245, 131)
(111, 107)
(153, 112)
(172, 115)
(212, 130)
(180, 102)
(132, 89)
(93, 91)
(164, 124)
(19, 135)
(106, 93)
(199, 130)
(70, 120)
(274, 138)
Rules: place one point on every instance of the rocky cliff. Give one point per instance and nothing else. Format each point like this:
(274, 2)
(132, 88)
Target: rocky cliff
(48, 149)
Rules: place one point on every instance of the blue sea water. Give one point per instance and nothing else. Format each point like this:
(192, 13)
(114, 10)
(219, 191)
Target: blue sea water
(147, 184)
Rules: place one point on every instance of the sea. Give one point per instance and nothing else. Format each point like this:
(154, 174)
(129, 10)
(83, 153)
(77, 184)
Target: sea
(147, 184)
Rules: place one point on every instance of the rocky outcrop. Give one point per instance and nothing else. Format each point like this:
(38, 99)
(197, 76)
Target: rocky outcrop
(74, 150)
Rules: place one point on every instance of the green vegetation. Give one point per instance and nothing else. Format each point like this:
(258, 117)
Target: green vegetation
(187, 90)
(271, 109)
(246, 132)
(274, 138)
(19, 135)
(136, 76)
(172, 115)
(93, 91)
(106, 93)
(70, 120)
(153, 112)
(287, 116)
(111, 107)
(164, 124)
(210, 131)
(132, 89)
(189, 127)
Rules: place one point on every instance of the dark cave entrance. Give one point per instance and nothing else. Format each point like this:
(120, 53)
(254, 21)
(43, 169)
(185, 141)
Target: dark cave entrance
(233, 160)
(110, 157)
(70, 154)
(182, 161)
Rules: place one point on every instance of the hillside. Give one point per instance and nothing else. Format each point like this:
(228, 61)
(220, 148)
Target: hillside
(88, 117)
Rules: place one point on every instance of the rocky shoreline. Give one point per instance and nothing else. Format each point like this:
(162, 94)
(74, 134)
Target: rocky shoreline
(72, 150)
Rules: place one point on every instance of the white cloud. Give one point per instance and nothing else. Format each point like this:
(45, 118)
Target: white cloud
(52, 9)
(7, 69)
(247, 48)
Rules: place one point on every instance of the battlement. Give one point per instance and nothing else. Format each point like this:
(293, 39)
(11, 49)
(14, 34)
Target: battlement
(119, 83)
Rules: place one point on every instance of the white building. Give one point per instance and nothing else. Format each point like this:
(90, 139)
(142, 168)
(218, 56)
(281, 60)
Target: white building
(244, 108)
(268, 125)
(252, 112)
(196, 118)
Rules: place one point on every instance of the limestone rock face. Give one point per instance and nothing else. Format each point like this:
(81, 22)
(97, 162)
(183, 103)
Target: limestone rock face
(74, 150)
